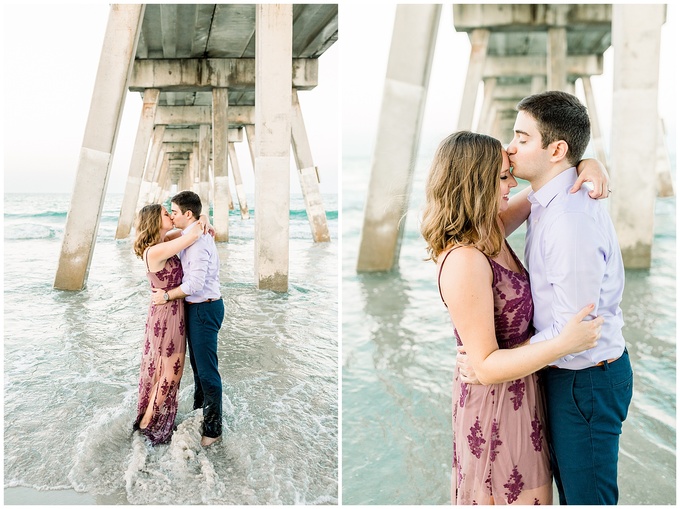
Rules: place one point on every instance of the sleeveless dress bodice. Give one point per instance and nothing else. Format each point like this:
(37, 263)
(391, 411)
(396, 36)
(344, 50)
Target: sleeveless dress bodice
(513, 306)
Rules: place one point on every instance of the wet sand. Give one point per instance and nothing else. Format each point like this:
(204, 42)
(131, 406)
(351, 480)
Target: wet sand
(29, 496)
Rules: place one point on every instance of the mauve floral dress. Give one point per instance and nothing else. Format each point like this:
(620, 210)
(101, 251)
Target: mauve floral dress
(162, 356)
(499, 443)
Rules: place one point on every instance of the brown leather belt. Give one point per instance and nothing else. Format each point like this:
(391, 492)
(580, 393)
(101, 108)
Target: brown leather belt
(204, 301)
(601, 363)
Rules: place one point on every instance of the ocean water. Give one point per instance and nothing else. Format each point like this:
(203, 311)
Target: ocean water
(398, 356)
(71, 365)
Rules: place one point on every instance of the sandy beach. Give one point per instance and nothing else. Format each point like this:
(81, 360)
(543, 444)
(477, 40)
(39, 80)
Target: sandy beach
(30, 496)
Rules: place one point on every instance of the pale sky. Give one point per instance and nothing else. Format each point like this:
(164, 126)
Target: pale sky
(368, 29)
(50, 59)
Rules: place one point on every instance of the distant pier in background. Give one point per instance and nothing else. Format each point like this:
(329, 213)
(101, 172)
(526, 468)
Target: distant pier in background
(518, 50)
(205, 79)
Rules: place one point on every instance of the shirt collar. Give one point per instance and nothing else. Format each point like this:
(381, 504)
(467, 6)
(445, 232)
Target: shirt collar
(553, 187)
(189, 227)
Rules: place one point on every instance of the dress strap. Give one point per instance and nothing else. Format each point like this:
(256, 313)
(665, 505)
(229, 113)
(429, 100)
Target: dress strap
(146, 258)
(439, 276)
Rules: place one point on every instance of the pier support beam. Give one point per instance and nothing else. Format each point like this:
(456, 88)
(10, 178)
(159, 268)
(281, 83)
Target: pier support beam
(408, 73)
(557, 58)
(309, 176)
(273, 54)
(152, 167)
(596, 133)
(238, 182)
(636, 37)
(96, 153)
(220, 130)
(137, 163)
(204, 167)
(479, 42)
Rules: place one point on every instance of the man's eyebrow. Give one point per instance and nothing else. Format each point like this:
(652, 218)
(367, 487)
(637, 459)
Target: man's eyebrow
(518, 131)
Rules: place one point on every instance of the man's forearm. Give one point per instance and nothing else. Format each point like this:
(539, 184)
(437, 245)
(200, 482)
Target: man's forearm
(176, 293)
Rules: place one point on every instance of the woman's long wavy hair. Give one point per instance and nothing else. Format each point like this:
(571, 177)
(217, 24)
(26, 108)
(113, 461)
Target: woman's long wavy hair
(462, 193)
(148, 227)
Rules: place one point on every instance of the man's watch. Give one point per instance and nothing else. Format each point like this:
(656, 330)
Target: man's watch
(166, 297)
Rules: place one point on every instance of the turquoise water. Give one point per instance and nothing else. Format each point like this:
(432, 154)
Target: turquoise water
(398, 355)
(72, 359)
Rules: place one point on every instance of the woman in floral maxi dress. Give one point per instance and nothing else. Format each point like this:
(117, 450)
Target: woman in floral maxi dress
(164, 335)
(500, 452)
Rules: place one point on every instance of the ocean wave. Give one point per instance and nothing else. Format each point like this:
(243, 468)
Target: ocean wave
(28, 231)
(47, 213)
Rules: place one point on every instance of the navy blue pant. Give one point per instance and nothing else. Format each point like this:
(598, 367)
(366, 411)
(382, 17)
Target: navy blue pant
(203, 323)
(586, 410)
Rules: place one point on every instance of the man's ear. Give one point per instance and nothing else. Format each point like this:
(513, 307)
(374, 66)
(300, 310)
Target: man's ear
(558, 150)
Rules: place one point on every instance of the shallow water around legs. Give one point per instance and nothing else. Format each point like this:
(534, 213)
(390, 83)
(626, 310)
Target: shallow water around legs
(72, 365)
(398, 356)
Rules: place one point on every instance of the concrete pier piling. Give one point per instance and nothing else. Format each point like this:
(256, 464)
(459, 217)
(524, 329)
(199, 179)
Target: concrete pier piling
(401, 114)
(197, 73)
(94, 163)
(518, 50)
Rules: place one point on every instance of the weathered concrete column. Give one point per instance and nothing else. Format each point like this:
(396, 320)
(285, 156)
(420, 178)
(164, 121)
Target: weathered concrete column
(596, 138)
(273, 67)
(484, 120)
(152, 167)
(238, 182)
(96, 153)
(139, 155)
(309, 175)
(408, 73)
(204, 166)
(479, 42)
(194, 170)
(162, 175)
(220, 131)
(250, 135)
(664, 181)
(557, 58)
(636, 37)
(538, 84)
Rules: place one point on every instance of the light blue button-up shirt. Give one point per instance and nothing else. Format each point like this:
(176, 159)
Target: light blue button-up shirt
(201, 267)
(574, 259)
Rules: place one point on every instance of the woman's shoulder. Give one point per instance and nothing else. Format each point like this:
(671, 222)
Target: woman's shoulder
(463, 254)
(463, 261)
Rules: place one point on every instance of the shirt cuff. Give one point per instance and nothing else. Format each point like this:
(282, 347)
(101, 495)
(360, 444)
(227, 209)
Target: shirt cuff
(185, 288)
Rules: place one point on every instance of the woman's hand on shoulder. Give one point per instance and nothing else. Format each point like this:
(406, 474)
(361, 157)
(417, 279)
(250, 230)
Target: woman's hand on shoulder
(593, 171)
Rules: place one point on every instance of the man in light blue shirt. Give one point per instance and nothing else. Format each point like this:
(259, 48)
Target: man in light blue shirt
(573, 257)
(204, 312)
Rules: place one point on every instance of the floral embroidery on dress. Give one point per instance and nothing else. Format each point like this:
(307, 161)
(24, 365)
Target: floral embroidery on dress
(517, 388)
(476, 440)
(495, 441)
(514, 486)
(536, 435)
(463, 393)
